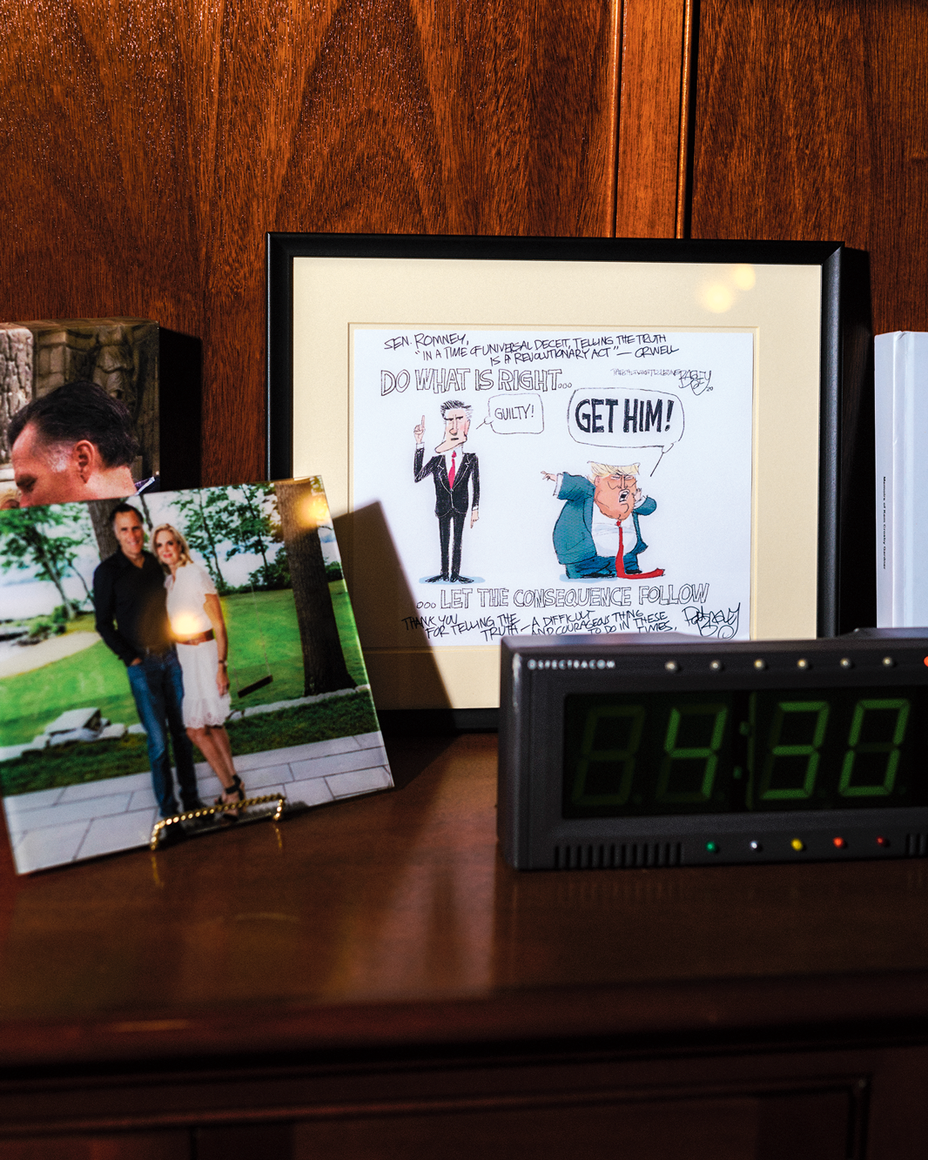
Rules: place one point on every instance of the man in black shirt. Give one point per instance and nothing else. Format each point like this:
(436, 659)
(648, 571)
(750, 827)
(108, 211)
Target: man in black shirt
(128, 588)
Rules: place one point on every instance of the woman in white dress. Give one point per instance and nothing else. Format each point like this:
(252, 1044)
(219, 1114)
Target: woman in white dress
(202, 649)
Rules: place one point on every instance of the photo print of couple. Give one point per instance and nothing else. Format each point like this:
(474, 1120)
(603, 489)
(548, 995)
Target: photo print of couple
(174, 649)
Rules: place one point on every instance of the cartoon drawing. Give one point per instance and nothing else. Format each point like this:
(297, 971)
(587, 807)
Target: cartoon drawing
(618, 416)
(454, 473)
(589, 538)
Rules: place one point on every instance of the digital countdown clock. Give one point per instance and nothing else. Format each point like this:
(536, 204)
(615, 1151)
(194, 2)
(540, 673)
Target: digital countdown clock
(628, 751)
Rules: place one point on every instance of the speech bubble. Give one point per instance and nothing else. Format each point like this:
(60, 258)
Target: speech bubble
(625, 416)
(515, 413)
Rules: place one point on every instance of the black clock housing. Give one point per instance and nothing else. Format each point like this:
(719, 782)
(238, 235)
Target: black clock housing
(638, 750)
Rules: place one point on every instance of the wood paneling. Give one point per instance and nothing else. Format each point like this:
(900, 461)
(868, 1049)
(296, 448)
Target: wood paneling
(810, 122)
(657, 42)
(147, 145)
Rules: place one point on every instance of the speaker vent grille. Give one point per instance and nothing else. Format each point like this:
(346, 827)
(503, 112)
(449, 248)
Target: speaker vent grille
(627, 855)
(916, 845)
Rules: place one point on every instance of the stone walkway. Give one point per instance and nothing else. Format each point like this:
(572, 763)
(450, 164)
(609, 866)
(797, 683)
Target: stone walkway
(16, 659)
(54, 826)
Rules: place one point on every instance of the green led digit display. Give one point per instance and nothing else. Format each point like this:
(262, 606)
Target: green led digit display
(653, 754)
(606, 761)
(878, 757)
(793, 750)
(660, 753)
(834, 749)
(687, 771)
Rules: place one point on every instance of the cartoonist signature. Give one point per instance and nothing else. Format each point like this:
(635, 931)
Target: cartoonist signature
(721, 624)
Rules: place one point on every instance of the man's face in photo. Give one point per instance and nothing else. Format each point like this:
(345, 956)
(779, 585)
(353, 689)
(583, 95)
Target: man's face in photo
(130, 534)
(44, 473)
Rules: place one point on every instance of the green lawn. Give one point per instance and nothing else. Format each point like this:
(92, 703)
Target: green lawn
(348, 631)
(263, 635)
(93, 678)
(78, 763)
(259, 621)
(264, 623)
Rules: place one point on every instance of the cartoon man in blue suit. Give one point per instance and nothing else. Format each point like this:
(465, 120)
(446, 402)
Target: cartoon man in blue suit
(457, 479)
(589, 537)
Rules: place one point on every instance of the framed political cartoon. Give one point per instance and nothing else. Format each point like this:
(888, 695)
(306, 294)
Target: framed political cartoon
(560, 436)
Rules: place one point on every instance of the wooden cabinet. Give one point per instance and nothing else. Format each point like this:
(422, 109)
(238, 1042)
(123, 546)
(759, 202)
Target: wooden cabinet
(371, 977)
(174, 1145)
(143, 184)
(371, 980)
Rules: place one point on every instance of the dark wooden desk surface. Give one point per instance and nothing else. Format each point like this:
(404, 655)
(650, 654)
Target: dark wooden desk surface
(391, 919)
(370, 981)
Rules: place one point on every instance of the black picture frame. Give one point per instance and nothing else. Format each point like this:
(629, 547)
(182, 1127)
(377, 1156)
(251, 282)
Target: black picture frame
(839, 401)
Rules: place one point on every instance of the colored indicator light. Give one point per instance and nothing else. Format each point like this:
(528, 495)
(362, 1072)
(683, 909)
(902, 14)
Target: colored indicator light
(838, 843)
(881, 841)
(755, 845)
(798, 844)
(712, 847)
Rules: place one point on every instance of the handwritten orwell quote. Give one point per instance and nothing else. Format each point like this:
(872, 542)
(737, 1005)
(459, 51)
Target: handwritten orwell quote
(539, 480)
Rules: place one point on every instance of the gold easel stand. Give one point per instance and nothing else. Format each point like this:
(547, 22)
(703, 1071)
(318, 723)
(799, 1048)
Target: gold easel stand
(207, 811)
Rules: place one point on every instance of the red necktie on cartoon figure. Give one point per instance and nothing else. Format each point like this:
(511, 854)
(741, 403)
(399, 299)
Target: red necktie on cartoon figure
(620, 572)
(451, 470)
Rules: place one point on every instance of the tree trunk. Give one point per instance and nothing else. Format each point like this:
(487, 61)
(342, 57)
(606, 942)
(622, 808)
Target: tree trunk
(324, 665)
(256, 514)
(47, 562)
(101, 518)
(88, 595)
(214, 551)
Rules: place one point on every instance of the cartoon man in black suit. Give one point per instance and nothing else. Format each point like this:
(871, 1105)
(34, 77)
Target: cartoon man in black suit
(454, 472)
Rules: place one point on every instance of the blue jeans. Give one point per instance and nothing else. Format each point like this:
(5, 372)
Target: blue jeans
(158, 688)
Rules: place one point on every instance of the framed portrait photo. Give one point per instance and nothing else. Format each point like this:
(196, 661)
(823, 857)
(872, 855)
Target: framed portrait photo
(559, 436)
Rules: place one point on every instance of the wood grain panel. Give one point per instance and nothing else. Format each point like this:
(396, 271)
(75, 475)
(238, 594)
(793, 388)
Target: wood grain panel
(147, 147)
(810, 123)
(390, 919)
(816, 1128)
(652, 120)
(334, 987)
(171, 1145)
